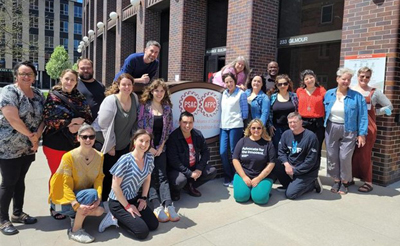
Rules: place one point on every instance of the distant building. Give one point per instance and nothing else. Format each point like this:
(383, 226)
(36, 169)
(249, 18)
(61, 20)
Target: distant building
(51, 23)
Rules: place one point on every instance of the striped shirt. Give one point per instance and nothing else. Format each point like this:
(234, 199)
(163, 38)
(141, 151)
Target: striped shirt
(132, 177)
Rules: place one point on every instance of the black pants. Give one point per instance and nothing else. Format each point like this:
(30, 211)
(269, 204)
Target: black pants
(297, 186)
(178, 180)
(13, 172)
(159, 186)
(316, 125)
(138, 227)
(109, 161)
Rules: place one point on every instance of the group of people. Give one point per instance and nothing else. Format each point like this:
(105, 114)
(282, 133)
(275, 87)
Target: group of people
(111, 152)
(284, 130)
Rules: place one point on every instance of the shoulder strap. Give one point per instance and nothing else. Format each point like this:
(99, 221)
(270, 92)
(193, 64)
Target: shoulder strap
(65, 100)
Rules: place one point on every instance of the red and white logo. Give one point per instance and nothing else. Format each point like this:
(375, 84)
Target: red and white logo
(210, 104)
(189, 101)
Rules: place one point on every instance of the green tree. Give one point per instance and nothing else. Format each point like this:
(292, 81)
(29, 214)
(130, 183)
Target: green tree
(58, 62)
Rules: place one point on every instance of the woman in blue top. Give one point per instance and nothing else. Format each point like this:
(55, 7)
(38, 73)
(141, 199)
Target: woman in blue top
(283, 102)
(234, 110)
(346, 124)
(132, 172)
(257, 99)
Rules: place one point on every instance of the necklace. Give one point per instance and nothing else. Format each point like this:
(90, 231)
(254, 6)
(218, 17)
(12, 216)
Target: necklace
(88, 157)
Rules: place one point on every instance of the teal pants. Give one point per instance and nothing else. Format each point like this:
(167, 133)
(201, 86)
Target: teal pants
(259, 194)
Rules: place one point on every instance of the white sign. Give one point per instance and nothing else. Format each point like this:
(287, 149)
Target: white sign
(376, 62)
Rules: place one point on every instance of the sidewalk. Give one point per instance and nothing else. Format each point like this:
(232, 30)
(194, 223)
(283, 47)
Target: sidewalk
(216, 219)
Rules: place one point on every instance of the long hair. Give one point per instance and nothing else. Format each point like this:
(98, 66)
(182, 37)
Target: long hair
(275, 88)
(303, 76)
(246, 69)
(113, 88)
(264, 134)
(141, 132)
(59, 85)
(263, 80)
(147, 96)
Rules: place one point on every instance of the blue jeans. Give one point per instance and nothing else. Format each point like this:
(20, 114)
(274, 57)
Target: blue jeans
(233, 136)
(85, 197)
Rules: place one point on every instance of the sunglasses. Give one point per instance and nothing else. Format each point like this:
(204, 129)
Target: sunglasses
(85, 137)
(255, 128)
(283, 84)
(367, 77)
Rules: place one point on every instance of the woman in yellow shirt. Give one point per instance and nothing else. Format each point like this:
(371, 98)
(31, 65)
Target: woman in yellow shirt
(76, 187)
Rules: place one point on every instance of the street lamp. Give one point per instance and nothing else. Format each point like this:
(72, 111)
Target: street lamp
(100, 25)
(85, 39)
(113, 15)
(135, 3)
(91, 32)
(82, 43)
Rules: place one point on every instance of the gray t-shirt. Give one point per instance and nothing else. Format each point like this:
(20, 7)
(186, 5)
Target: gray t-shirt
(124, 122)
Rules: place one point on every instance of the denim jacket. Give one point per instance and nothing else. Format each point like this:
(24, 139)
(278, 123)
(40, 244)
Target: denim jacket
(259, 107)
(293, 99)
(355, 111)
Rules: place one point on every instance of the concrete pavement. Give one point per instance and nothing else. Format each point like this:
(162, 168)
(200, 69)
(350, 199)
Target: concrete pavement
(216, 219)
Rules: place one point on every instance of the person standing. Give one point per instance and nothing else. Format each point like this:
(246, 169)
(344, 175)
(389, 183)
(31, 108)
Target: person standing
(272, 72)
(92, 89)
(142, 66)
(21, 107)
(258, 102)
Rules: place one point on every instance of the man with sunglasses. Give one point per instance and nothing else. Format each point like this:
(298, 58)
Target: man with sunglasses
(297, 166)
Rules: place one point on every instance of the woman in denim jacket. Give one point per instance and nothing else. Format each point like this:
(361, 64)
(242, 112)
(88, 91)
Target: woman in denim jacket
(155, 116)
(257, 99)
(283, 102)
(346, 124)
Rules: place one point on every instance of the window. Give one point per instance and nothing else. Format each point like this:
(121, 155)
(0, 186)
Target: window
(63, 26)
(33, 57)
(48, 41)
(77, 28)
(33, 39)
(78, 11)
(326, 14)
(76, 44)
(34, 20)
(49, 6)
(49, 24)
(33, 4)
(64, 41)
(64, 9)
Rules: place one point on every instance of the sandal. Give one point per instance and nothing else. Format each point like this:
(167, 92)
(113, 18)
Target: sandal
(56, 215)
(350, 183)
(335, 187)
(365, 188)
(343, 189)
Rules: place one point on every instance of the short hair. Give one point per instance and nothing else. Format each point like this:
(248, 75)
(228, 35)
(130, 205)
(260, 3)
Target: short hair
(84, 59)
(24, 63)
(264, 134)
(343, 70)
(226, 75)
(153, 43)
(142, 132)
(303, 75)
(85, 127)
(273, 62)
(187, 114)
(364, 70)
(294, 114)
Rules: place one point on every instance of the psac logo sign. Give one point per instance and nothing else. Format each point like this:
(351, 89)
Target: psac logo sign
(203, 101)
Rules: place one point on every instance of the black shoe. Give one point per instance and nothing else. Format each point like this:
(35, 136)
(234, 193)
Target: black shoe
(7, 228)
(175, 195)
(23, 218)
(191, 190)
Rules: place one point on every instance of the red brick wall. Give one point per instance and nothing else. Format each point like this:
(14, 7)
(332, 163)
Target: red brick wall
(148, 27)
(187, 40)
(374, 28)
(252, 32)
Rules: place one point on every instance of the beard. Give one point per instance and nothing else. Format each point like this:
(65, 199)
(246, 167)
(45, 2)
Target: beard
(85, 76)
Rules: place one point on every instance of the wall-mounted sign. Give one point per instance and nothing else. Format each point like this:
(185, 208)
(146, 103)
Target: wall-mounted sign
(377, 62)
(203, 101)
(216, 51)
(310, 38)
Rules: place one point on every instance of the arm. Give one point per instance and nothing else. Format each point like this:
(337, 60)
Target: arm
(141, 120)
(145, 191)
(240, 172)
(265, 106)
(243, 106)
(311, 159)
(264, 173)
(12, 116)
(116, 187)
(173, 156)
(98, 182)
(379, 98)
(362, 116)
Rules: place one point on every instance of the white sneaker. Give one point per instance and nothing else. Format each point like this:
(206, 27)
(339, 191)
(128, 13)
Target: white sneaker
(107, 221)
(160, 214)
(80, 236)
(171, 213)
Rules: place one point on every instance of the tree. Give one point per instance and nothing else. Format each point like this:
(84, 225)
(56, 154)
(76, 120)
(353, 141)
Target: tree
(58, 62)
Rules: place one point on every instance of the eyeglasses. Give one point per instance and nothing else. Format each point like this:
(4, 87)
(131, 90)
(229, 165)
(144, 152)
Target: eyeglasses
(363, 76)
(85, 137)
(255, 128)
(25, 74)
(283, 84)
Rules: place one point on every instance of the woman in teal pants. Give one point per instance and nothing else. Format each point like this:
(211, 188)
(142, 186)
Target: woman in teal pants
(253, 159)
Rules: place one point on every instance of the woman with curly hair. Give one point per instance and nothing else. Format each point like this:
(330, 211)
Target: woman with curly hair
(254, 160)
(155, 116)
(239, 68)
(115, 125)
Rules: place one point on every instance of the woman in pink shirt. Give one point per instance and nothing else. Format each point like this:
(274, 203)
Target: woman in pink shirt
(238, 67)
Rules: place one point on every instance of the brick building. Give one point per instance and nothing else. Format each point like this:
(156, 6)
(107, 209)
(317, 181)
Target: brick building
(200, 36)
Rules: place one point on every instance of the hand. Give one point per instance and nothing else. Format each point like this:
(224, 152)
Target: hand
(95, 204)
(360, 141)
(242, 87)
(34, 138)
(133, 210)
(247, 180)
(272, 131)
(145, 78)
(142, 204)
(78, 121)
(112, 152)
(288, 169)
(35, 146)
(86, 209)
(159, 151)
(388, 112)
(196, 174)
(255, 181)
(74, 128)
(153, 151)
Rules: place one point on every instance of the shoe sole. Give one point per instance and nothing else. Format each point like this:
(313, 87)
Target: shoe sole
(10, 233)
(101, 223)
(320, 185)
(23, 222)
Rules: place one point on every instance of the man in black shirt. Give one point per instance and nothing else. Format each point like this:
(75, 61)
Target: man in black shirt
(92, 89)
(272, 72)
(297, 166)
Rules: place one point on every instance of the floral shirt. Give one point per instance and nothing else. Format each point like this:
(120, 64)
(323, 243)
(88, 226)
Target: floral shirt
(13, 144)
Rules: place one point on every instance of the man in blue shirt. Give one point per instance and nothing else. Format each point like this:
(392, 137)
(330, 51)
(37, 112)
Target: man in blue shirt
(142, 66)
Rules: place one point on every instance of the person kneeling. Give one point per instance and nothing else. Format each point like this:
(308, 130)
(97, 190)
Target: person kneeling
(75, 188)
(298, 165)
(254, 160)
